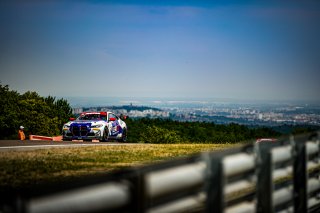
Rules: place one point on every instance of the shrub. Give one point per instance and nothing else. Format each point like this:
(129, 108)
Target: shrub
(157, 135)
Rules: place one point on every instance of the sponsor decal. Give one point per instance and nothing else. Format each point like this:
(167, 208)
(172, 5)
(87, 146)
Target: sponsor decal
(115, 128)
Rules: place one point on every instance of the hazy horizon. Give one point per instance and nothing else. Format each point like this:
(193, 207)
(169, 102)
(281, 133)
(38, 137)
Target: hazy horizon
(149, 101)
(248, 50)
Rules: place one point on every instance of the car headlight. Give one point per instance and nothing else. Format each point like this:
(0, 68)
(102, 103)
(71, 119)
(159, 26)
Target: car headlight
(96, 126)
(66, 126)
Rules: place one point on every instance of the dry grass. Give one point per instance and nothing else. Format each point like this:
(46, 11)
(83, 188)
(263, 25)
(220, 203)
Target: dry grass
(20, 168)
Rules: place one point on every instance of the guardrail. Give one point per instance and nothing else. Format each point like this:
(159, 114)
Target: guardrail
(267, 177)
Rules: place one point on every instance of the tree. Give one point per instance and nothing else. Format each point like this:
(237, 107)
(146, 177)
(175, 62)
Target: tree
(63, 110)
(39, 115)
(38, 118)
(9, 118)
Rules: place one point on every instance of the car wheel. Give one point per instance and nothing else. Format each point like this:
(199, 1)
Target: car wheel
(105, 135)
(124, 135)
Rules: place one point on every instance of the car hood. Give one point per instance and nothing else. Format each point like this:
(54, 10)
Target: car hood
(92, 122)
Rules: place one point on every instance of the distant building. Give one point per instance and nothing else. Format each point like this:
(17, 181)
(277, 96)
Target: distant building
(77, 110)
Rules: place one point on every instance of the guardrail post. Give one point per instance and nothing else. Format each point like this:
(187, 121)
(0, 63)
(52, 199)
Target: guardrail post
(214, 184)
(264, 178)
(300, 174)
(138, 195)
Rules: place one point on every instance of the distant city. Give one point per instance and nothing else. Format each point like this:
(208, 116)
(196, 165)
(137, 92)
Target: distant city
(219, 112)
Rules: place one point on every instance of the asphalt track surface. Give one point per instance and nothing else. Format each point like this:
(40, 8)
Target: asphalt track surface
(6, 145)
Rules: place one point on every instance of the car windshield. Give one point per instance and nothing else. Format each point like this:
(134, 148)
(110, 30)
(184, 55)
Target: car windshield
(90, 117)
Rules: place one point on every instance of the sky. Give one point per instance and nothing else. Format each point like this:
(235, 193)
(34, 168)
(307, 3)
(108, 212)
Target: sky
(255, 50)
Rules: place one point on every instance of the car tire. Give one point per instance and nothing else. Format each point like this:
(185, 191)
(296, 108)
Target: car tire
(124, 135)
(105, 135)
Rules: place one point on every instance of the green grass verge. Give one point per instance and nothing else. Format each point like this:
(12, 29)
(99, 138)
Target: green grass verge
(21, 168)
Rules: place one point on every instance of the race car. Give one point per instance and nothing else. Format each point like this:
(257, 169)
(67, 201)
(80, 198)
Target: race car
(102, 126)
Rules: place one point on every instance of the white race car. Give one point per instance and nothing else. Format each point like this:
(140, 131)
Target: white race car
(102, 126)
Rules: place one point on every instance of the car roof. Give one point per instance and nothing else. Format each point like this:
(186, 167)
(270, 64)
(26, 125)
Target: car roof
(95, 113)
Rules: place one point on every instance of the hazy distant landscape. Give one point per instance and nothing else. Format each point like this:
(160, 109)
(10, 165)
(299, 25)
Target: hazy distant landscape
(219, 111)
(92, 101)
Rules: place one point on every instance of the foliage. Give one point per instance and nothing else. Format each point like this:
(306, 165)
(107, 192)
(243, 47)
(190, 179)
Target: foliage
(296, 129)
(156, 135)
(146, 130)
(39, 115)
(9, 116)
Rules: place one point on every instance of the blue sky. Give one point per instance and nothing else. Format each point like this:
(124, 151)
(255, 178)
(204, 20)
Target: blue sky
(254, 50)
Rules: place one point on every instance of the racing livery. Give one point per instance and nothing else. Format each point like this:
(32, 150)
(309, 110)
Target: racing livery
(102, 126)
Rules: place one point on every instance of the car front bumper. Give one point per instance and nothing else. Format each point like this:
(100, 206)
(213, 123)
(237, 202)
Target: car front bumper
(88, 134)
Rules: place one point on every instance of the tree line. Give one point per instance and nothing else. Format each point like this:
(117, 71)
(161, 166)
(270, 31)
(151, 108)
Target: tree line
(39, 115)
(147, 130)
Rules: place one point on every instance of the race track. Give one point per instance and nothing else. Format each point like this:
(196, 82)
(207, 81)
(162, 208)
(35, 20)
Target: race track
(6, 145)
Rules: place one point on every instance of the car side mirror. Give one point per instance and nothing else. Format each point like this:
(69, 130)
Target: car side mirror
(112, 119)
(72, 119)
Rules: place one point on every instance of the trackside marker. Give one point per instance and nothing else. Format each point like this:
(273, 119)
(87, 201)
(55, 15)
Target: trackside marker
(44, 138)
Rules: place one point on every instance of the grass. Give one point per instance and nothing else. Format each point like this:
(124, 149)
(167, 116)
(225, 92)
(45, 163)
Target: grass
(21, 168)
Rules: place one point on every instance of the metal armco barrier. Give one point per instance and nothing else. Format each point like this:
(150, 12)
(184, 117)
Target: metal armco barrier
(281, 176)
